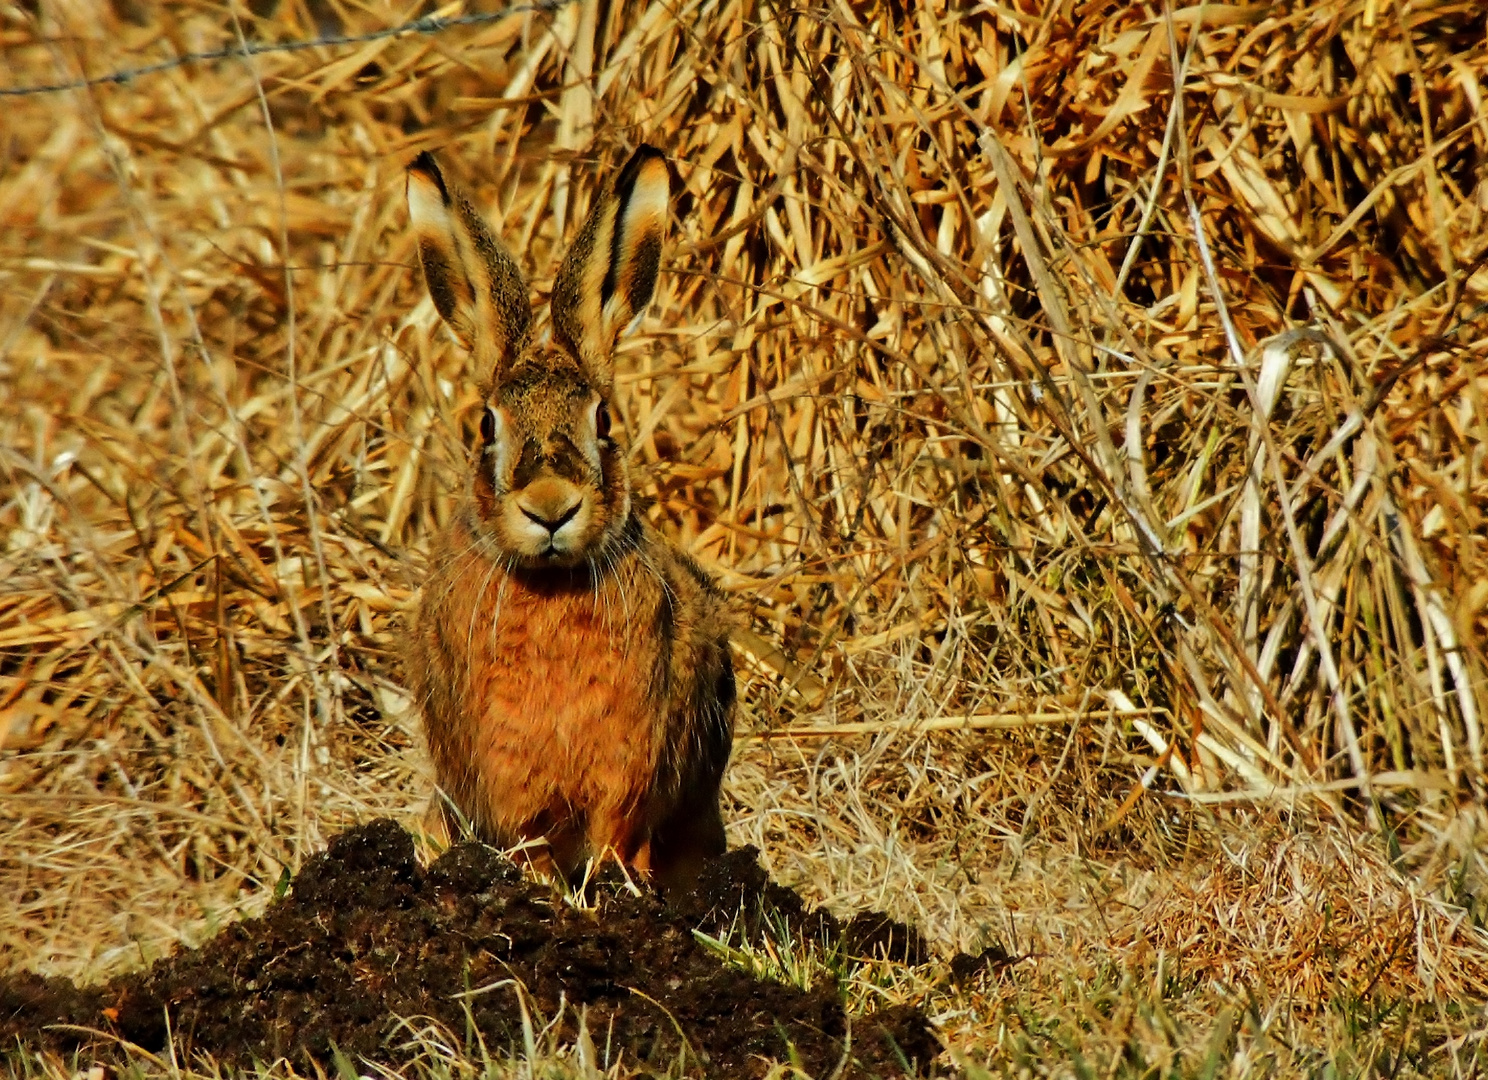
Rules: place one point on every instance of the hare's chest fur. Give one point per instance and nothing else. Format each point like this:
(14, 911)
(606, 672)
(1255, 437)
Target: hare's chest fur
(543, 709)
(561, 693)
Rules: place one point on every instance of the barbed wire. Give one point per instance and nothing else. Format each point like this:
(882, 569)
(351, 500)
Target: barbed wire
(428, 24)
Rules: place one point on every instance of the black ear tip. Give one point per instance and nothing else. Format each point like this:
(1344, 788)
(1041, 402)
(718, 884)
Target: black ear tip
(427, 166)
(643, 156)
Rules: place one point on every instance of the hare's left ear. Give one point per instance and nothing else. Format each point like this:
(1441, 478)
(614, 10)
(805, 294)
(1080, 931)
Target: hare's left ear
(472, 278)
(609, 275)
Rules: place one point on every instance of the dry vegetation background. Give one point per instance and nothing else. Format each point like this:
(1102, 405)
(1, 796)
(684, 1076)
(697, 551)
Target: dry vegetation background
(958, 378)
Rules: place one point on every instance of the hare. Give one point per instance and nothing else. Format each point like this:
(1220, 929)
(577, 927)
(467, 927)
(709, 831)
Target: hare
(572, 665)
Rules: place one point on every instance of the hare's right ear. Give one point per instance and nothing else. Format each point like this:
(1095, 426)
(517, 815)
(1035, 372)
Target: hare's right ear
(609, 275)
(472, 279)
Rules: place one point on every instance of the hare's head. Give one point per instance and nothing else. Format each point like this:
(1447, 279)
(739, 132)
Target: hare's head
(550, 481)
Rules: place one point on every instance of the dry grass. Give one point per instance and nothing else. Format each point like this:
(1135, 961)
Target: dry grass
(958, 377)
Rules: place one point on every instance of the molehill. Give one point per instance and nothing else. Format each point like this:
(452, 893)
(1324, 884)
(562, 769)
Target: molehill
(367, 938)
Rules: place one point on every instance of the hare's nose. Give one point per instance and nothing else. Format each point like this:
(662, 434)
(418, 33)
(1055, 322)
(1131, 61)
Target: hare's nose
(552, 520)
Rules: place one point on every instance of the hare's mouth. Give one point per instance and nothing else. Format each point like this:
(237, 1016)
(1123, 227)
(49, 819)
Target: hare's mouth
(551, 534)
(552, 549)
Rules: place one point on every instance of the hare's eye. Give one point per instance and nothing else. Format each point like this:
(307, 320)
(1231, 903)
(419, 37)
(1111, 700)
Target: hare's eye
(488, 425)
(602, 420)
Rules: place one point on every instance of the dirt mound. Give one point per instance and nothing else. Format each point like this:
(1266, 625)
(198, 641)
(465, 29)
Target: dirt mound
(367, 936)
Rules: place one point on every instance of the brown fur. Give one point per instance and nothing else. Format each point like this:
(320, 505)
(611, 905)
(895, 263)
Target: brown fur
(571, 665)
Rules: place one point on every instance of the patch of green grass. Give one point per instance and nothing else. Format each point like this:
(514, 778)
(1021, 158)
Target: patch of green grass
(780, 954)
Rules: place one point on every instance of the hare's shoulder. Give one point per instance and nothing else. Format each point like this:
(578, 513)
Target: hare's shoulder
(701, 715)
(692, 588)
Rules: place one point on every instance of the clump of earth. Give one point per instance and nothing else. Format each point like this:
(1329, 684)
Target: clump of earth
(368, 943)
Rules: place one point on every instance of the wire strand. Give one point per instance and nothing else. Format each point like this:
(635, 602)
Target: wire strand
(428, 24)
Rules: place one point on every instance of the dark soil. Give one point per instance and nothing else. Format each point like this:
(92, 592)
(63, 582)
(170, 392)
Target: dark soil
(367, 936)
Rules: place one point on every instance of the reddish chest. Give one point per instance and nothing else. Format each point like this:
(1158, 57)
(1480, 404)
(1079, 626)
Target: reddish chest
(560, 699)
